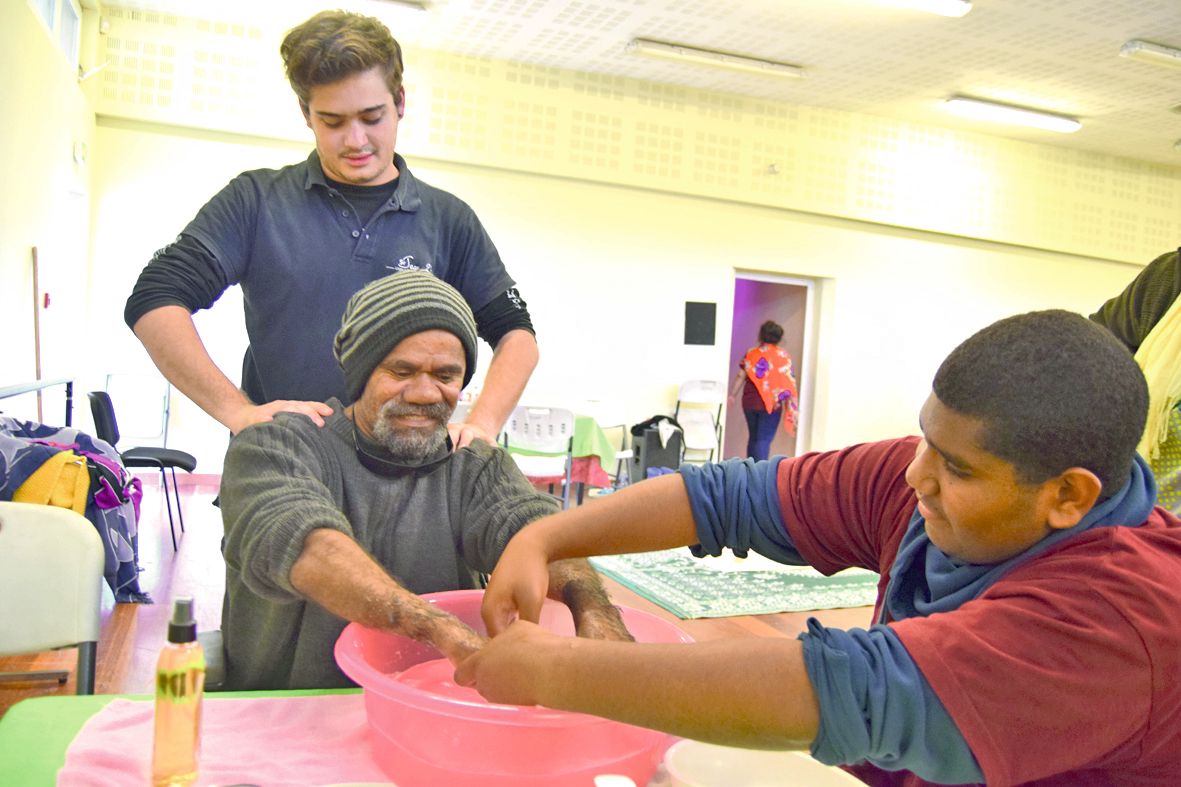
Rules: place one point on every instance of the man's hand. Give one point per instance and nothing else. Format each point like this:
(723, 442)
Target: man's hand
(518, 586)
(462, 434)
(510, 668)
(259, 413)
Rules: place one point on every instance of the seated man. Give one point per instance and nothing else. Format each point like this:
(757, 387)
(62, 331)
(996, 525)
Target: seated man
(350, 521)
(1028, 625)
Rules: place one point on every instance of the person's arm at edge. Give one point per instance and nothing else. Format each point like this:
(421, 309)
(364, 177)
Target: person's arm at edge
(172, 342)
(750, 692)
(512, 364)
(1133, 313)
(641, 518)
(336, 573)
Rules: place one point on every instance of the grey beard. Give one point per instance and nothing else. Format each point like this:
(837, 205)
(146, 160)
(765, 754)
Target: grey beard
(411, 445)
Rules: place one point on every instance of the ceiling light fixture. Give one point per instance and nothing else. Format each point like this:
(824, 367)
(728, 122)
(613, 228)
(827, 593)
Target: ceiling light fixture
(1148, 52)
(978, 109)
(688, 54)
(408, 5)
(952, 8)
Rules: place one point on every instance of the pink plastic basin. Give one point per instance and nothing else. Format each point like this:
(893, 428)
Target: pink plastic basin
(423, 738)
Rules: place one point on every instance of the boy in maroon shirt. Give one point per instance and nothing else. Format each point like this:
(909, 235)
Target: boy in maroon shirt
(1028, 626)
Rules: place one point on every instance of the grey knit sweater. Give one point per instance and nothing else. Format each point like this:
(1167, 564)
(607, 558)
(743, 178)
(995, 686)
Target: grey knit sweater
(436, 527)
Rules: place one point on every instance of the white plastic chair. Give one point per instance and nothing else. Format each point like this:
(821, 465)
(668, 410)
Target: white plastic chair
(623, 456)
(51, 574)
(701, 423)
(548, 431)
(699, 433)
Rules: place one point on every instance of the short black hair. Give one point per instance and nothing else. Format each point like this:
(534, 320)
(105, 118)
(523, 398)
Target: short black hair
(1053, 391)
(770, 332)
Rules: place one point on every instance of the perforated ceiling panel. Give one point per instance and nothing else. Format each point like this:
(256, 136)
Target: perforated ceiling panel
(545, 86)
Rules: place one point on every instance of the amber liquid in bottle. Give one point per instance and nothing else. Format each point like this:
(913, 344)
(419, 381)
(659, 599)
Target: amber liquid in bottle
(180, 683)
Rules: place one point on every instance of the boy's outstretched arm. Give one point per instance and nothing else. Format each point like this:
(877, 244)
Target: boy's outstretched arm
(651, 515)
(750, 692)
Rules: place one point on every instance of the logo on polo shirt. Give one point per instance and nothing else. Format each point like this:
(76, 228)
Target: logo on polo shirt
(407, 264)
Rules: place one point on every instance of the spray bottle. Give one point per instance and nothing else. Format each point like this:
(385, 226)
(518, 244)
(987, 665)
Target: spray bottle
(180, 683)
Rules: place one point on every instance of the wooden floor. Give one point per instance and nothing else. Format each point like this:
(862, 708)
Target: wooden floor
(132, 634)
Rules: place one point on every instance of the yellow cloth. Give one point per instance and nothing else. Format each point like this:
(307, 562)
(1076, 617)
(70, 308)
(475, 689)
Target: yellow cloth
(1159, 357)
(62, 481)
(1167, 467)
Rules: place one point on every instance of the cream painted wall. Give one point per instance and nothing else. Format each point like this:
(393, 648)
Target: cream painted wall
(606, 270)
(614, 202)
(45, 203)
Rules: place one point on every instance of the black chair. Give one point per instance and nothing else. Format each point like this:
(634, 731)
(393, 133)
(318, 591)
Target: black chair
(167, 459)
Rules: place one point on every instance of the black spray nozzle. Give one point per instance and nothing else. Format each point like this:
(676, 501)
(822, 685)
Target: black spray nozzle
(183, 626)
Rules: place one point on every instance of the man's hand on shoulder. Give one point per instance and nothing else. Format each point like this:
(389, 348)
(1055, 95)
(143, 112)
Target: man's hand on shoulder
(250, 414)
(462, 434)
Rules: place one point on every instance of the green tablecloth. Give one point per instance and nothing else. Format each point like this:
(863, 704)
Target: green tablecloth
(589, 440)
(688, 588)
(35, 733)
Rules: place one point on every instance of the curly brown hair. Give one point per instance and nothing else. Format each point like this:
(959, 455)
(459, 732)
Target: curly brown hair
(334, 45)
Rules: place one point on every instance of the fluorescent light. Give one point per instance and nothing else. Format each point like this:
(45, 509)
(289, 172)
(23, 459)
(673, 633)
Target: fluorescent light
(1149, 52)
(409, 5)
(954, 8)
(688, 54)
(1006, 113)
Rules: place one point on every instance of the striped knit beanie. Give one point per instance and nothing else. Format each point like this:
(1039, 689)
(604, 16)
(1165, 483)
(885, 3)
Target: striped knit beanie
(386, 311)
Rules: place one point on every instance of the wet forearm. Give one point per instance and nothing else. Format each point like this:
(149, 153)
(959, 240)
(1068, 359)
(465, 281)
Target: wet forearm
(336, 573)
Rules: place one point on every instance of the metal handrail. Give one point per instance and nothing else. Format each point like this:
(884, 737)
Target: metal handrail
(38, 385)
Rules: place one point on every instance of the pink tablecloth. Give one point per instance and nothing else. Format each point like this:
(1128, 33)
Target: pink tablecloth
(583, 470)
(272, 741)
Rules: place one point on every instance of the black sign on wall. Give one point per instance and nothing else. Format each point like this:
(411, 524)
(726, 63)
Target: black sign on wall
(700, 319)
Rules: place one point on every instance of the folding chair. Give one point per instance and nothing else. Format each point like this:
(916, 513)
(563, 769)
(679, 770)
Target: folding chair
(623, 457)
(699, 433)
(107, 429)
(701, 423)
(547, 433)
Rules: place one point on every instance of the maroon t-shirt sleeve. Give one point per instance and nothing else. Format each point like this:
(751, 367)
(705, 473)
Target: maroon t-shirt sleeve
(1028, 670)
(849, 507)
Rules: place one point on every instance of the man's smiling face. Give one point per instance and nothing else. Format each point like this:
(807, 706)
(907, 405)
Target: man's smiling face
(411, 394)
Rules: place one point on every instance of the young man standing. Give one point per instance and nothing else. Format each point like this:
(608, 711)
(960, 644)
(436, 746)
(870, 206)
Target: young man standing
(302, 239)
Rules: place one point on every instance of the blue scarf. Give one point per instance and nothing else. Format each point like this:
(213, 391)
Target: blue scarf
(945, 583)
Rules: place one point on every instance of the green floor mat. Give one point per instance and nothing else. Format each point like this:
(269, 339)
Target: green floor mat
(692, 588)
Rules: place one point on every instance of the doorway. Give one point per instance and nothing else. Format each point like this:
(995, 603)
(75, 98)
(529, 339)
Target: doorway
(788, 301)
